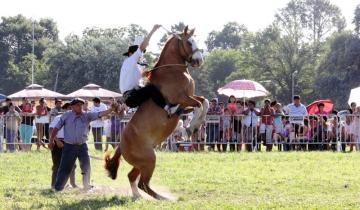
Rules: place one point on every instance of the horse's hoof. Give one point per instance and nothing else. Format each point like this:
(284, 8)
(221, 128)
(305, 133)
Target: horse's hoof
(136, 197)
(159, 197)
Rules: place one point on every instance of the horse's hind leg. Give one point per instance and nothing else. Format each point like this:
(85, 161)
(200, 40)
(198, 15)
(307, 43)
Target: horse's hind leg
(146, 172)
(133, 175)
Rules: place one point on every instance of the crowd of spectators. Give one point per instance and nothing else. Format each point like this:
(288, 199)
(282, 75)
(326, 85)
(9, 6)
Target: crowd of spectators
(235, 125)
(241, 125)
(28, 123)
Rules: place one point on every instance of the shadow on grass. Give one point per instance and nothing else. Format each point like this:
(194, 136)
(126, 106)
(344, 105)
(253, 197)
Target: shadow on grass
(96, 203)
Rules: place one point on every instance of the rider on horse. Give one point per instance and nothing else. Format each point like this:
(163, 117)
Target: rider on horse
(133, 91)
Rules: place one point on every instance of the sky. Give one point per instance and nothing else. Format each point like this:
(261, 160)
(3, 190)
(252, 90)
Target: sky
(73, 16)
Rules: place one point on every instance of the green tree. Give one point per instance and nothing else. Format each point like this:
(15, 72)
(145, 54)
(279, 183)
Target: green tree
(229, 37)
(356, 19)
(340, 70)
(15, 46)
(176, 28)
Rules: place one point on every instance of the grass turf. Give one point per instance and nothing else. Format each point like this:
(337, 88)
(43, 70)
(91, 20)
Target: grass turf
(277, 180)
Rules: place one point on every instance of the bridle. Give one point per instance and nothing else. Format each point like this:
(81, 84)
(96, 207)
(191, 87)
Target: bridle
(187, 55)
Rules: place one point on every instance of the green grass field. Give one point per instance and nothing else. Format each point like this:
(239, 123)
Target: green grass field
(296, 180)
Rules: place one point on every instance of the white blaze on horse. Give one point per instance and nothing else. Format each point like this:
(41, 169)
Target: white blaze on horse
(151, 125)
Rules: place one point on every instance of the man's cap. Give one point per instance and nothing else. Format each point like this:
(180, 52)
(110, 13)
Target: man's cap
(131, 49)
(76, 101)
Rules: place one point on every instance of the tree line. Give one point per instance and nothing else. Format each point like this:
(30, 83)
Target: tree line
(307, 40)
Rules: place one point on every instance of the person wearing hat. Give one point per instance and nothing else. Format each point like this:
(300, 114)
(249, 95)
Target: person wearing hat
(57, 149)
(75, 124)
(130, 82)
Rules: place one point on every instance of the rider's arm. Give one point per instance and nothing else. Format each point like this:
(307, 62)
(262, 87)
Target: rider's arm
(145, 43)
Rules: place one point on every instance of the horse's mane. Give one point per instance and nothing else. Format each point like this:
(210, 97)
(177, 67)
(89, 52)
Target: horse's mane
(148, 74)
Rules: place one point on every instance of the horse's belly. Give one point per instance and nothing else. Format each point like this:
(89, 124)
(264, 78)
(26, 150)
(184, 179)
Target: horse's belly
(150, 125)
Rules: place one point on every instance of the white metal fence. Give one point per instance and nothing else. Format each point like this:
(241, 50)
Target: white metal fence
(219, 132)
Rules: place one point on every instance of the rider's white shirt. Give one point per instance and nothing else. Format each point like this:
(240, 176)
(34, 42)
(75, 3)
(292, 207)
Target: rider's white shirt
(130, 73)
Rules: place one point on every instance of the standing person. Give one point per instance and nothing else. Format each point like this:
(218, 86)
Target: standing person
(353, 131)
(57, 149)
(97, 126)
(41, 119)
(266, 128)
(2, 124)
(321, 134)
(227, 129)
(221, 129)
(56, 110)
(279, 126)
(238, 119)
(26, 126)
(134, 92)
(212, 129)
(12, 120)
(75, 123)
(297, 113)
(232, 104)
(250, 125)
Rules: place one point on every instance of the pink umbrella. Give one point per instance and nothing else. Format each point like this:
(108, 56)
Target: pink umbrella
(243, 89)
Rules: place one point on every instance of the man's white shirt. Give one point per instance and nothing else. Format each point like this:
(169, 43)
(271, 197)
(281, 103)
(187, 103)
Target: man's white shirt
(60, 134)
(130, 73)
(98, 123)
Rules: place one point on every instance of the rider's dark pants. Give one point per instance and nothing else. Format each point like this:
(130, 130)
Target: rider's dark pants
(135, 97)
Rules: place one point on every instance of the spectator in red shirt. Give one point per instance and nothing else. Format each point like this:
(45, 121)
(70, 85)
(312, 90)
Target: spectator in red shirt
(266, 127)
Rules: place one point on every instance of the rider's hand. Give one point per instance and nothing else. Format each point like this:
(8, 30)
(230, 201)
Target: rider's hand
(156, 27)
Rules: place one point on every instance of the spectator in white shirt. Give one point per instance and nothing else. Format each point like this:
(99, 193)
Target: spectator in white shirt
(250, 125)
(297, 109)
(97, 126)
(56, 152)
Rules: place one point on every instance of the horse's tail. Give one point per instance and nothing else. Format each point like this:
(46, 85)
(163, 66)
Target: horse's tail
(112, 164)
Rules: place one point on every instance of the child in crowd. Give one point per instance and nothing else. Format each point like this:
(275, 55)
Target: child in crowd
(278, 124)
(227, 129)
(288, 131)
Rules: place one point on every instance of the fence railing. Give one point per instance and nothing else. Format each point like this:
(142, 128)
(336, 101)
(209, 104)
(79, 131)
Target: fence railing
(219, 132)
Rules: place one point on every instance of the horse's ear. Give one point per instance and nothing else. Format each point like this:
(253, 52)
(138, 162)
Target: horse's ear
(186, 30)
(191, 33)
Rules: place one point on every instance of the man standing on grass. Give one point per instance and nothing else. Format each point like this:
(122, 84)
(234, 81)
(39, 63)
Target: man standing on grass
(75, 123)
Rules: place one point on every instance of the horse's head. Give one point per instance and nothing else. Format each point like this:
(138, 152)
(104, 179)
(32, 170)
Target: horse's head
(189, 49)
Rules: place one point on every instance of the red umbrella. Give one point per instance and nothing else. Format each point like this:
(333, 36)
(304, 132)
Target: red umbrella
(313, 107)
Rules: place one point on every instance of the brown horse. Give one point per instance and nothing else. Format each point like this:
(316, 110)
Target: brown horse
(151, 125)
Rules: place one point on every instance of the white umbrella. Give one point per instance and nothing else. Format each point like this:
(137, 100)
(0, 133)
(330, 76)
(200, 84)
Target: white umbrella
(243, 89)
(355, 96)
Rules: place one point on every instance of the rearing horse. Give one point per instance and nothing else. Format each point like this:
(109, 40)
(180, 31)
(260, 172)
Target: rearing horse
(151, 125)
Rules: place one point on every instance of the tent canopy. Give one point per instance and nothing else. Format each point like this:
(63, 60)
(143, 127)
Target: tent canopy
(36, 91)
(92, 90)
